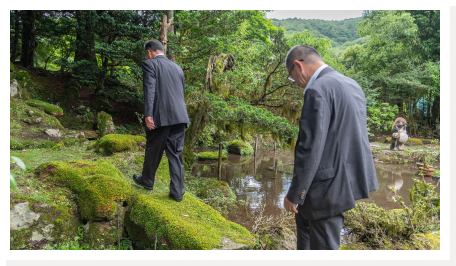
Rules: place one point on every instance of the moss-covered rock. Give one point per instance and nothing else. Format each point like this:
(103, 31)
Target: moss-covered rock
(58, 146)
(51, 223)
(99, 185)
(240, 147)
(189, 224)
(105, 124)
(207, 156)
(279, 239)
(47, 107)
(119, 143)
(21, 74)
(414, 141)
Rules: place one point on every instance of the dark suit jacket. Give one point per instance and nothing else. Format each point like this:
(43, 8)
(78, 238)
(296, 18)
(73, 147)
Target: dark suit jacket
(164, 86)
(333, 161)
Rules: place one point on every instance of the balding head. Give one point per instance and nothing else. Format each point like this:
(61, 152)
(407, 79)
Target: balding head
(307, 53)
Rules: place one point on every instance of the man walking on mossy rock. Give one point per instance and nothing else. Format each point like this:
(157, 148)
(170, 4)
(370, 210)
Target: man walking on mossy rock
(333, 162)
(166, 118)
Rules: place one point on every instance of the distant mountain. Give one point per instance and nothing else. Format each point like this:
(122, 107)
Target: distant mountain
(338, 31)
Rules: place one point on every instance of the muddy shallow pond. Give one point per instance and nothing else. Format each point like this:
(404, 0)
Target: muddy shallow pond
(252, 180)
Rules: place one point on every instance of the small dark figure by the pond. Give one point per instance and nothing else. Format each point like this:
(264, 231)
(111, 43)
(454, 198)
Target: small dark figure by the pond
(333, 160)
(400, 136)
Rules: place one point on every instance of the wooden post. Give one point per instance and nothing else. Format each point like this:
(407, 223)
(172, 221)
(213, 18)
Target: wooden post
(256, 145)
(275, 167)
(274, 146)
(220, 162)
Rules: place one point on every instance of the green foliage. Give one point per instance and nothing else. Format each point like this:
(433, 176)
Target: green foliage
(21, 165)
(424, 207)
(240, 112)
(206, 139)
(378, 226)
(339, 32)
(381, 118)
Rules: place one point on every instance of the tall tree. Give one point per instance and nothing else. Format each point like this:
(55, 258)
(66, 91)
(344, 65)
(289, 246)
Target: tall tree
(14, 35)
(29, 42)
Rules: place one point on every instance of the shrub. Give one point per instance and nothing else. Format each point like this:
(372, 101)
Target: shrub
(381, 117)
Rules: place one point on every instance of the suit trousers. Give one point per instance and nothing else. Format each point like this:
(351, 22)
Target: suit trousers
(323, 234)
(170, 138)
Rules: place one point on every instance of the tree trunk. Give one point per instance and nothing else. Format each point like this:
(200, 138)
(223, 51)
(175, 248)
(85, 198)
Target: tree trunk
(164, 32)
(85, 37)
(15, 37)
(28, 38)
(171, 30)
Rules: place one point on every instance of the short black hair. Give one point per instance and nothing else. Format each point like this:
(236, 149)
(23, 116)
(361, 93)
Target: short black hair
(153, 45)
(307, 53)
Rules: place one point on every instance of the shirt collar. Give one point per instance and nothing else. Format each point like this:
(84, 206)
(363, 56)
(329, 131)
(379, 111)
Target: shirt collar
(159, 54)
(314, 76)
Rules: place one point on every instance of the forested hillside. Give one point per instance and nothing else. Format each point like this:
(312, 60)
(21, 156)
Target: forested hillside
(339, 31)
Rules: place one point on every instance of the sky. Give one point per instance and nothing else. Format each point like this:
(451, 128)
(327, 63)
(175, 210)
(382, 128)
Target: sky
(315, 14)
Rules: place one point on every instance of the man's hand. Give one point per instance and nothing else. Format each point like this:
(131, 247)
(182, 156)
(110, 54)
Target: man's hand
(150, 122)
(289, 206)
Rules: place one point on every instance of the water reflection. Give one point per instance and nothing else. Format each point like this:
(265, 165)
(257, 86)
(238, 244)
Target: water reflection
(254, 181)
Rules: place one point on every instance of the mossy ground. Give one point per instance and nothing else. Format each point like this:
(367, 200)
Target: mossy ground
(424, 241)
(41, 190)
(207, 156)
(411, 153)
(47, 107)
(189, 224)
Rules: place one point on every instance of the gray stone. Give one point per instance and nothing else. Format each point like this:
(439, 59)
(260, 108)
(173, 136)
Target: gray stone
(36, 236)
(22, 217)
(14, 88)
(55, 133)
(374, 145)
(31, 113)
(86, 227)
(38, 120)
(228, 244)
(142, 144)
(43, 125)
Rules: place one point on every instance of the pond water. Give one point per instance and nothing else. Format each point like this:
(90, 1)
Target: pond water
(253, 181)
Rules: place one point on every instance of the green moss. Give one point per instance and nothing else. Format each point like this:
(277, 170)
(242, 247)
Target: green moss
(58, 146)
(205, 156)
(22, 74)
(99, 185)
(105, 124)
(189, 158)
(19, 111)
(120, 143)
(47, 107)
(239, 147)
(189, 224)
(415, 141)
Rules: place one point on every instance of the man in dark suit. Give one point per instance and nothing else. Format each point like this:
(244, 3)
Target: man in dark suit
(333, 162)
(166, 118)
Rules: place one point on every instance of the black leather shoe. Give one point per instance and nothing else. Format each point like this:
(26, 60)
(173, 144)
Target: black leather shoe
(176, 199)
(137, 179)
